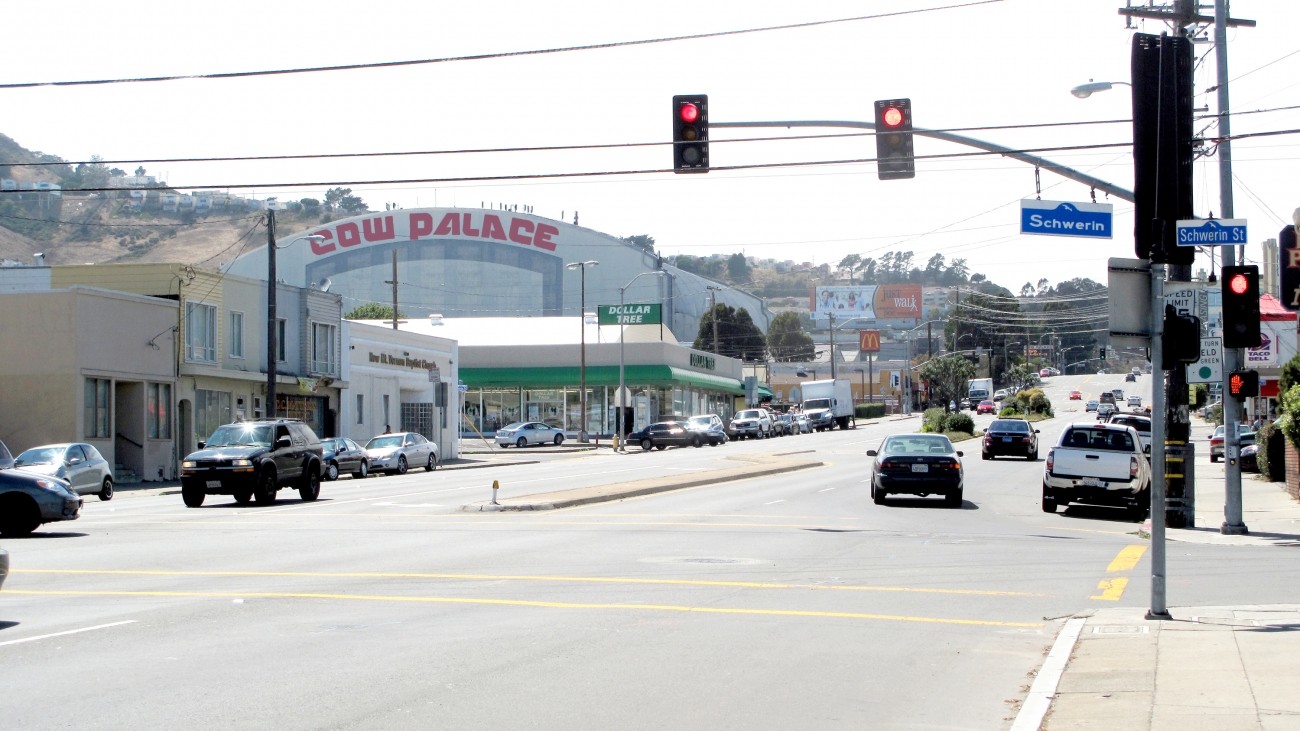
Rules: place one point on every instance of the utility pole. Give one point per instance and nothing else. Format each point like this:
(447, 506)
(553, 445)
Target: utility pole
(832, 331)
(271, 330)
(713, 314)
(393, 282)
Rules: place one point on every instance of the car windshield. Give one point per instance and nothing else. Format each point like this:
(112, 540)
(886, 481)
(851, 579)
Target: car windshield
(1009, 425)
(40, 455)
(331, 444)
(385, 441)
(748, 414)
(239, 435)
(917, 444)
(1110, 439)
(1141, 425)
(701, 420)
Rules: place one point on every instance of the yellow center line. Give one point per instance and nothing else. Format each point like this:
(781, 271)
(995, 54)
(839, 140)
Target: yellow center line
(551, 605)
(521, 577)
(1111, 590)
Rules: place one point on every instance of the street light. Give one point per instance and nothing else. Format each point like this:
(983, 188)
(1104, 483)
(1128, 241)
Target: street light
(272, 341)
(622, 339)
(582, 368)
(1083, 91)
(910, 389)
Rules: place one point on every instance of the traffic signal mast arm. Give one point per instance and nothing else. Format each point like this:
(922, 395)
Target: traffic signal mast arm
(1066, 172)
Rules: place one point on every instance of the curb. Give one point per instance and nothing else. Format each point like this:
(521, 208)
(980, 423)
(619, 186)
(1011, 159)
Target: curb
(609, 493)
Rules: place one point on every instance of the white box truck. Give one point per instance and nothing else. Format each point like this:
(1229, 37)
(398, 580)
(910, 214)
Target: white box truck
(977, 390)
(828, 404)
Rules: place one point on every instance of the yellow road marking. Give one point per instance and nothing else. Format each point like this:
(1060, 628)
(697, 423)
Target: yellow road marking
(1111, 589)
(520, 577)
(529, 603)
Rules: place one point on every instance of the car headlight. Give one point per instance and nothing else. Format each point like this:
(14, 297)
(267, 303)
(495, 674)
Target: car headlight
(55, 487)
(241, 463)
(189, 464)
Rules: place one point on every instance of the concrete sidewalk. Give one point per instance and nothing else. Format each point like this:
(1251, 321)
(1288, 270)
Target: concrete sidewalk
(1219, 668)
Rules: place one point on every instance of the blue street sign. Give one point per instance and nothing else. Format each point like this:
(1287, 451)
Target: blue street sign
(1212, 232)
(1060, 218)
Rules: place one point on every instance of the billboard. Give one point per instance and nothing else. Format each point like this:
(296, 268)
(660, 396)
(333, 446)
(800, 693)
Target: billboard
(870, 301)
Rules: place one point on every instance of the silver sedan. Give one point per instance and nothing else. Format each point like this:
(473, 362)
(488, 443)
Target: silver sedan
(81, 465)
(395, 453)
(523, 433)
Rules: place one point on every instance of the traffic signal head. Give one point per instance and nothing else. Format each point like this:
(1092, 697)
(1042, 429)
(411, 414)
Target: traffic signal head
(1289, 258)
(691, 133)
(1243, 384)
(1181, 342)
(895, 158)
(1241, 307)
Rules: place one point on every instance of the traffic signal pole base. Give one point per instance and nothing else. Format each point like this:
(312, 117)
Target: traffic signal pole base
(1228, 529)
(1158, 615)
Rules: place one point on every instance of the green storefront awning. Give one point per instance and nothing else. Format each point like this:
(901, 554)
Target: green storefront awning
(568, 376)
(764, 391)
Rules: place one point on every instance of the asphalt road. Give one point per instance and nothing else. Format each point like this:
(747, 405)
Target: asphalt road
(782, 602)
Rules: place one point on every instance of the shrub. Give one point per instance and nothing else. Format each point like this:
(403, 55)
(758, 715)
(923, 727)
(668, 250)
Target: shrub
(1009, 412)
(1033, 401)
(934, 420)
(869, 410)
(962, 422)
(1271, 456)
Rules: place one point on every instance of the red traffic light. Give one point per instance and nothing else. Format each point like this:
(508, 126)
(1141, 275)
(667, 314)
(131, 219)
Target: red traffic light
(689, 113)
(892, 117)
(1239, 283)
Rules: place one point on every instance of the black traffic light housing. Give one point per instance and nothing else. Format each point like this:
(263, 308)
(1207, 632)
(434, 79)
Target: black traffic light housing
(691, 133)
(1241, 307)
(1181, 343)
(1163, 145)
(1289, 258)
(1243, 384)
(895, 157)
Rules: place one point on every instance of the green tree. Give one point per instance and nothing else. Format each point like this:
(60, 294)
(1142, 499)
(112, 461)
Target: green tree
(947, 376)
(371, 311)
(642, 242)
(852, 262)
(1020, 376)
(786, 339)
(738, 268)
(738, 336)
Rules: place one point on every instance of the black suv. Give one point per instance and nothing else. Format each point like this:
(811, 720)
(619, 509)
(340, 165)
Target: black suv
(254, 459)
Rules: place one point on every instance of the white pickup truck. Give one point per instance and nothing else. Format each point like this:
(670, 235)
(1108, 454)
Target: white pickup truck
(1098, 464)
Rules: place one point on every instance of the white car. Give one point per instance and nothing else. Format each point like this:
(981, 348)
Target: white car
(523, 433)
(1000, 394)
(396, 453)
(1135, 401)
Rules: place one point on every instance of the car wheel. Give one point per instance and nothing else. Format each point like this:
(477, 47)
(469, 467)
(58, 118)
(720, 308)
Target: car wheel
(309, 486)
(192, 496)
(647, 445)
(521, 442)
(266, 487)
(559, 439)
(985, 455)
(243, 497)
(697, 442)
(106, 492)
(1032, 456)
(401, 464)
(19, 516)
(363, 471)
(1213, 458)
(432, 464)
(331, 471)
(953, 499)
(1049, 501)
(661, 447)
(877, 495)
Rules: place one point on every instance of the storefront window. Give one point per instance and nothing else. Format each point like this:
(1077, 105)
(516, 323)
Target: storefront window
(545, 405)
(499, 408)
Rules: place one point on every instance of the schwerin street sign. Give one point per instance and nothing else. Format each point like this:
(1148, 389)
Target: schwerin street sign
(649, 314)
(1061, 218)
(1212, 232)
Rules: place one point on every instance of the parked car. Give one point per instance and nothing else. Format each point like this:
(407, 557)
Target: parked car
(1076, 395)
(1098, 464)
(1013, 437)
(523, 433)
(29, 500)
(254, 459)
(986, 407)
(752, 423)
(1090, 406)
(801, 421)
(6, 458)
(785, 424)
(81, 465)
(341, 454)
(710, 427)
(917, 464)
(665, 434)
(1249, 459)
(394, 454)
(1244, 438)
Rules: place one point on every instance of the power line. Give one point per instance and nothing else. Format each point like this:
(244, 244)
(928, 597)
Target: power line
(489, 56)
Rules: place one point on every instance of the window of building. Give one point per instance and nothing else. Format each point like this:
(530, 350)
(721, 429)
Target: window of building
(211, 410)
(387, 422)
(281, 335)
(160, 410)
(323, 339)
(361, 408)
(200, 332)
(236, 335)
(98, 416)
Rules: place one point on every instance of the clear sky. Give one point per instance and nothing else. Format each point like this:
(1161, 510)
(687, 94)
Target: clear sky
(975, 66)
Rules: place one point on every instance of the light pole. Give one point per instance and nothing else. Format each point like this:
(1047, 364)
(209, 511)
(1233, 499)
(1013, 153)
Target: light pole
(622, 338)
(713, 310)
(581, 266)
(272, 339)
(1083, 91)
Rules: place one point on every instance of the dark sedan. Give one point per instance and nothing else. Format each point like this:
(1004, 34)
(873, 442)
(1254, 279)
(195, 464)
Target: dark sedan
(664, 434)
(344, 455)
(28, 500)
(917, 464)
(1013, 437)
